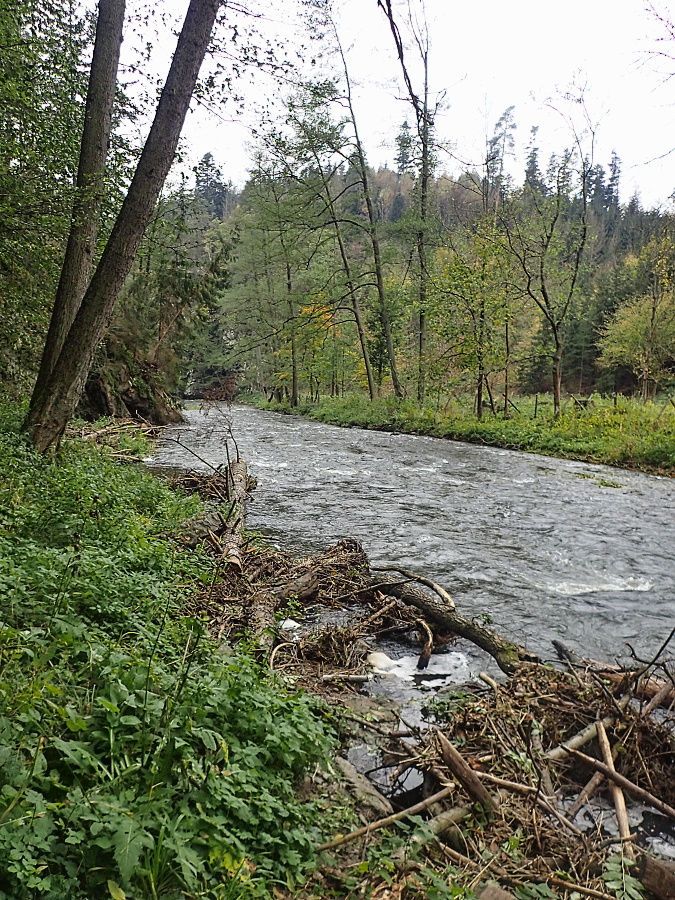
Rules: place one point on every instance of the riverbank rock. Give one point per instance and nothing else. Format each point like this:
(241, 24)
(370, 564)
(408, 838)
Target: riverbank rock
(366, 795)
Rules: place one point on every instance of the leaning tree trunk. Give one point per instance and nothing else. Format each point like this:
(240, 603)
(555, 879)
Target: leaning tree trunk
(508, 656)
(356, 307)
(79, 259)
(383, 312)
(55, 405)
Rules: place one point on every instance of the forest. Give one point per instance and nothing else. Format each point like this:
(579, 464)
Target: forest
(161, 733)
(322, 276)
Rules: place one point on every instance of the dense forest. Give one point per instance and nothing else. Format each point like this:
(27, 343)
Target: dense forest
(322, 275)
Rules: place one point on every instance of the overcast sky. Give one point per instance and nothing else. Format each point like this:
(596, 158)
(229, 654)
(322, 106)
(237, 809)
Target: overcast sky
(486, 57)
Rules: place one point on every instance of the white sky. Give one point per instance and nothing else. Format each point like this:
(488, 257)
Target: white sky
(486, 57)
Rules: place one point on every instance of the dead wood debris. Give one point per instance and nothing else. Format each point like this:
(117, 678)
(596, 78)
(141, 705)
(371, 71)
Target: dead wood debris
(519, 833)
(511, 737)
(503, 738)
(109, 436)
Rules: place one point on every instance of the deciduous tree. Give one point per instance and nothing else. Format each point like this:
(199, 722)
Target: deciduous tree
(56, 402)
(641, 332)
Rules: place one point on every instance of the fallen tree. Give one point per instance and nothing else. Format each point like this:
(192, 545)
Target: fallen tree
(508, 656)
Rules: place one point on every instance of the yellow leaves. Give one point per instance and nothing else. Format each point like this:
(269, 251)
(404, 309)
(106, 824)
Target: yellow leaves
(116, 891)
(234, 866)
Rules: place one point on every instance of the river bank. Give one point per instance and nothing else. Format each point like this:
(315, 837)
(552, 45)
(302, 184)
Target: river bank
(614, 431)
(505, 806)
(546, 548)
(150, 752)
(130, 747)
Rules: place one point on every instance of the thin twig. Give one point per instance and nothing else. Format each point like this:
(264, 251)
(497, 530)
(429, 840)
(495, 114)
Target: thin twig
(382, 823)
(590, 892)
(376, 615)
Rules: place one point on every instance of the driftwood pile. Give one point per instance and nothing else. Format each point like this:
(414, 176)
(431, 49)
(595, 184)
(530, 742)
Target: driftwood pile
(112, 435)
(509, 771)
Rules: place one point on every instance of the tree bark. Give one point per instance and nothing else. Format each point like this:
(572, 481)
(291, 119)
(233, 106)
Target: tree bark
(79, 259)
(557, 374)
(353, 295)
(237, 481)
(425, 121)
(56, 403)
(658, 876)
(454, 760)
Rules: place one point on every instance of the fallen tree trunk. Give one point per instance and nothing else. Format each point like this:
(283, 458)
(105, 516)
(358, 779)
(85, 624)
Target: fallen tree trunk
(658, 876)
(435, 587)
(508, 656)
(231, 542)
(263, 604)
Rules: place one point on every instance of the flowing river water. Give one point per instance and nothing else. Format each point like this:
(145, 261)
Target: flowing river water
(547, 548)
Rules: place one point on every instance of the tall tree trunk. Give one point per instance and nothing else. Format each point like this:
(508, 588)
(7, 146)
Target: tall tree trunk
(480, 348)
(557, 374)
(424, 120)
(356, 306)
(294, 344)
(421, 350)
(165, 328)
(383, 311)
(379, 278)
(56, 403)
(479, 394)
(507, 361)
(80, 250)
(424, 129)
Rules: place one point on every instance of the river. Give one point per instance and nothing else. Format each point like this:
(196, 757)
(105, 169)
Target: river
(547, 548)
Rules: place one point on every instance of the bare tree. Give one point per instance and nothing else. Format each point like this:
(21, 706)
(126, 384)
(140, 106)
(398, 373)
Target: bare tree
(547, 235)
(425, 115)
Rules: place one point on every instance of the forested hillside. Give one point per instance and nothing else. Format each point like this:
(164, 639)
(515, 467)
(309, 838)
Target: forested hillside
(322, 275)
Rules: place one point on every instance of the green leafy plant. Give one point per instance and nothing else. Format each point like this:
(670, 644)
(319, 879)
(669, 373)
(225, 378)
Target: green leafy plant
(618, 880)
(134, 760)
(534, 892)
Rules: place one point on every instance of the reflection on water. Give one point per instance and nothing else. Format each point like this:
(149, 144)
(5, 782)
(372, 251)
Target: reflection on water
(547, 548)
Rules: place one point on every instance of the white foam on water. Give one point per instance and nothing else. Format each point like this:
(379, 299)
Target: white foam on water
(602, 585)
(452, 666)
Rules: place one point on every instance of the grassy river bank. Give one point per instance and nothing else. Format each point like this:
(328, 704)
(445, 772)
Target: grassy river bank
(143, 757)
(614, 431)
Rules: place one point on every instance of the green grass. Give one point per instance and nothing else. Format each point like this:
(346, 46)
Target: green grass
(627, 434)
(134, 760)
